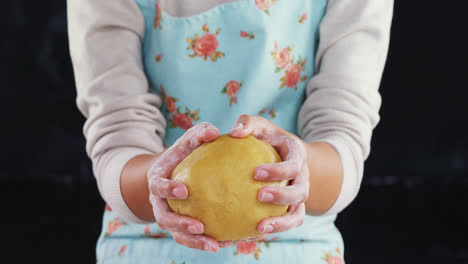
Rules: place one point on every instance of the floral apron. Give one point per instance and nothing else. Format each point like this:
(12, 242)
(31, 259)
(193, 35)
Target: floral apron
(238, 57)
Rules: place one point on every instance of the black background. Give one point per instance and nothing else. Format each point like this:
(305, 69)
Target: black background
(412, 207)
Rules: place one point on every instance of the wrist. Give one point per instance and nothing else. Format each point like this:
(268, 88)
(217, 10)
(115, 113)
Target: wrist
(134, 186)
(325, 177)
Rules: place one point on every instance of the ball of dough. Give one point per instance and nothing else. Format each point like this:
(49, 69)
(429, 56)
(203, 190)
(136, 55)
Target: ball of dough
(222, 189)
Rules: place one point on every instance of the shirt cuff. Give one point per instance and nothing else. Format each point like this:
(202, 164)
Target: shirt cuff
(110, 170)
(352, 175)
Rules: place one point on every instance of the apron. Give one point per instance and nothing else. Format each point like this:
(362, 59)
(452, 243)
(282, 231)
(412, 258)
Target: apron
(238, 57)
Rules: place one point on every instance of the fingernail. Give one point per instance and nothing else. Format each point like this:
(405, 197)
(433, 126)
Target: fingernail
(214, 248)
(236, 129)
(266, 197)
(193, 229)
(209, 248)
(179, 192)
(238, 126)
(267, 228)
(261, 174)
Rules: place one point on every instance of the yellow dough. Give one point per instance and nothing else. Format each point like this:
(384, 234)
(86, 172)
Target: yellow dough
(222, 190)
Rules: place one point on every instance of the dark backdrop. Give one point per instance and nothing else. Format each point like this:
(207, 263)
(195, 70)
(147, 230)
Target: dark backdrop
(412, 205)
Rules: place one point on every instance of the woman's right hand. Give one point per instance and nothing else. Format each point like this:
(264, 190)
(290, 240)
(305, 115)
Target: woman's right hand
(185, 230)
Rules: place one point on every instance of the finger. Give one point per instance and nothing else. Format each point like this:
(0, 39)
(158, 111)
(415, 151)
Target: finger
(171, 221)
(286, 170)
(283, 223)
(290, 148)
(257, 238)
(288, 145)
(246, 125)
(194, 137)
(260, 128)
(294, 194)
(196, 241)
(164, 188)
(289, 195)
(225, 244)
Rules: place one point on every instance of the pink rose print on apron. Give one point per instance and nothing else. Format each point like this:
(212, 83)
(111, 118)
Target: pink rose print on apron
(247, 35)
(271, 112)
(292, 68)
(160, 234)
(122, 250)
(231, 89)
(113, 226)
(330, 259)
(176, 118)
(158, 57)
(247, 248)
(303, 18)
(252, 247)
(265, 5)
(158, 17)
(205, 46)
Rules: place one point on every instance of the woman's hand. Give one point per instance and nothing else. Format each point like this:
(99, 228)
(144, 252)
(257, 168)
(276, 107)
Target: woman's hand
(185, 230)
(293, 167)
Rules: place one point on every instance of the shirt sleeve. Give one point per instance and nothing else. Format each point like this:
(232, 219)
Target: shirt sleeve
(342, 100)
(123, 116)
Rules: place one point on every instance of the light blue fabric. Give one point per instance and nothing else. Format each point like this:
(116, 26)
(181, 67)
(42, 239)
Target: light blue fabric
(195, 90)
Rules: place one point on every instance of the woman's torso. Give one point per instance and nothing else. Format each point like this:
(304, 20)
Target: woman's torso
(213, 64)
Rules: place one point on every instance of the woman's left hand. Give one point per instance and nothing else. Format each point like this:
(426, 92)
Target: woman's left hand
(293, 167)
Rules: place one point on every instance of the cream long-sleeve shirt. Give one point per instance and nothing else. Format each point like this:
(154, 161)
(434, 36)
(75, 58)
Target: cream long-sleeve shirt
(123, 117)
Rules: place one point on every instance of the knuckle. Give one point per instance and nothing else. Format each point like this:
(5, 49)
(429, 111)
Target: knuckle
(278, 169)
(293, 168)
(188, 145)
(164, 224)
(177, 239)
(161, 222)
(203, 125)
(295, 172)
(304, 197)
(154, 172)
(180, 147)
(162, 188)
(306, 190)
(296, 143)
(152, 184)
(276, 226)
(199, 244)
(191, 133)
(301, 221)
(281, 228)
(278, 195)
(161, 225)
(150, 175)
(305, 172)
